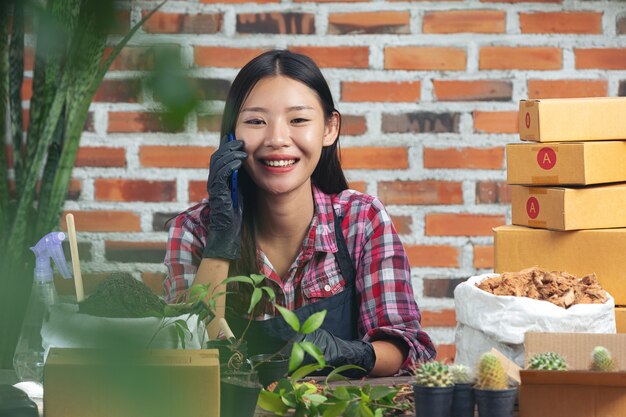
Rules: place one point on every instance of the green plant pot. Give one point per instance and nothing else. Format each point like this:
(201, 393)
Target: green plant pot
(463, 403)
(270, 367)
(239, 393)
(433, 401)
(495, 403)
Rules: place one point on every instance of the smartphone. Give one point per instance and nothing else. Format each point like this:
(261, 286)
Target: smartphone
(233, 180)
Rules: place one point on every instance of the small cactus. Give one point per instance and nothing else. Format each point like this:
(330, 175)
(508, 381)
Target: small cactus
(602, 360)
(461, 374)
(433, 374)
(491, 374)
(547, 361)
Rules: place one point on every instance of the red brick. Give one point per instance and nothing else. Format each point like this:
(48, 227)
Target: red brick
(520, 57)
(369, 22)
(154, 281)
(116, 91)
(115, 189)
(424, 58)
(522, 1)
(100, 156)
(73, 191)
(483, 257)
(465, 224)
(90, 283)
(197, 191)
(464, 21)
(447, 352)
(440, 287)
(567, 88)
(477, 90)
(561, 22)
(29, 58)
(276, 23)
(421, 122)
(121, 24)
(131, 58)
(330, 1)
(601, 58)
(495, 121)
(621, 25)
(403, 91)
(441, 318)
(133, 122)
(27, 89)
(420, 192)
(402, 224)
(493, 192)
(239, 1)
(433, 256)
(216, 56)
(88, 127)
(209, 122)
(374, 158)
(464, 158)
(104, 221)
(174, 23)
(175, 156)
(360, 186)
(147, 252)
(336, 56)
(353, 125)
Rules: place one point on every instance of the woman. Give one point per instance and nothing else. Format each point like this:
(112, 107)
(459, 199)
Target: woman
(321, 245)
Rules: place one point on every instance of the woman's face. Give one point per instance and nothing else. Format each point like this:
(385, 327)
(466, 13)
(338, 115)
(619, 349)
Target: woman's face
(283, 127)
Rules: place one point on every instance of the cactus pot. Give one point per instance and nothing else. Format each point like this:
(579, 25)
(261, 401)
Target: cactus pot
(433, 401)
(239, 393)
(463, 401)
(495, 403)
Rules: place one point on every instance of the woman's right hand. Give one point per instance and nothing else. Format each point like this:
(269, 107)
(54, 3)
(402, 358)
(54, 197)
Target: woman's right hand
(224, 224)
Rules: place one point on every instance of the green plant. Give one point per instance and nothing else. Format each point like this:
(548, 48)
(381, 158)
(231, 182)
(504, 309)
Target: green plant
(461, 374)
(433, 374)
(602, 360)
(547, 361)
(71, 36)
(491, 374)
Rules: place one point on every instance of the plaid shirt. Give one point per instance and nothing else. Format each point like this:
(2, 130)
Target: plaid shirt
(383, 280)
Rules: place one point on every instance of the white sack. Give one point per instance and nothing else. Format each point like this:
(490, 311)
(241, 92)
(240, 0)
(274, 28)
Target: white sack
(485, 320)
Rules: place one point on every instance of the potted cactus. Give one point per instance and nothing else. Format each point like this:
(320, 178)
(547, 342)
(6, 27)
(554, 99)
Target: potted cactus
(433, 390)
(601, 360)
(547, 361)
(463, 398)
(493, 395)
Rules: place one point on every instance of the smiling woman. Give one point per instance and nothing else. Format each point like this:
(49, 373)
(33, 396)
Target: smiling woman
(320, 245)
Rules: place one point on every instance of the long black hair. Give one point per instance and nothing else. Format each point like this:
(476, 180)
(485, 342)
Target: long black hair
(327, 176)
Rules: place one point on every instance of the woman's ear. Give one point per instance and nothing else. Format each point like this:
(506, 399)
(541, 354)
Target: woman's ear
(331, 130)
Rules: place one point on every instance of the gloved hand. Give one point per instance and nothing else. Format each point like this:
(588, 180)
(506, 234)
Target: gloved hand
(224, 225)
(338, 352)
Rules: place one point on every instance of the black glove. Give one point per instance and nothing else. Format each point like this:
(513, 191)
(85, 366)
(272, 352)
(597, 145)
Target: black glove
(224, 236)
(338, 352)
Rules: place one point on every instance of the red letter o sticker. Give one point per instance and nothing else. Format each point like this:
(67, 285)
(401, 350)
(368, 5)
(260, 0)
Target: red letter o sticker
(532, 207)
(546, 158)
(527, 120)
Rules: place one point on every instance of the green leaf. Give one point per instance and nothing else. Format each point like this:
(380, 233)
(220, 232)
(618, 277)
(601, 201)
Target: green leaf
(341, 393)
(240, 278)
(315, 352)
(313, 322)
(254, 299)
(257, 279)
(365, 411)
(304, 371)
(297, 355)
(335, 373)
(271, 401)
(316, 399)
(270, 293)
(336, 410)
(381, 391)
(379, 412)
(198, 292)
(290, 317)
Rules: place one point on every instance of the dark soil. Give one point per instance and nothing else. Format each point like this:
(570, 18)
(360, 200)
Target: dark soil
(121, 295)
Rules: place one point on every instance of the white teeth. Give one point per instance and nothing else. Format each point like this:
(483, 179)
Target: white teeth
(281, 163)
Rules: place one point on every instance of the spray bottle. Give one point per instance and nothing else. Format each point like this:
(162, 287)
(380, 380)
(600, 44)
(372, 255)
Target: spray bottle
(29, 353)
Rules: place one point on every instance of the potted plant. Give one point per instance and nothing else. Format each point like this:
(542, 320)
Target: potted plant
(493, 395)
(463, 400)
(601, 360)
(547, 361)
(433, 389)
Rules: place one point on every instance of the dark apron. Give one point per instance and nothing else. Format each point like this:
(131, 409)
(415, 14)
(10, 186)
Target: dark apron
(274, 334)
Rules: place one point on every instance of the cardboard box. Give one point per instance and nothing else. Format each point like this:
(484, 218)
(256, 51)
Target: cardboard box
(157, 383)
(620, 319)
(578, 252)
(559, 208)
(566, 163)
(572, 119)
(578, 392)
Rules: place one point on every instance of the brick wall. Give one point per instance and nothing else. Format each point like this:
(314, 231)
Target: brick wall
(428, 90)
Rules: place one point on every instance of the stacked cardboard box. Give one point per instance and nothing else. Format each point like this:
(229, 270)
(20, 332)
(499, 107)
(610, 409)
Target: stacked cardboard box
(569, 192)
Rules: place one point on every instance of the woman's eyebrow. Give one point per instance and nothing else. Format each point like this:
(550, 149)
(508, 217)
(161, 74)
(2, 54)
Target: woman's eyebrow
(289, 109)
(298, 108)
(254, 109)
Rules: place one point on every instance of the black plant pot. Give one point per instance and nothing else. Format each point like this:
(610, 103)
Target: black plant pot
(463, 401)
(495, 403)
(227, 349)
(433, 401)
(239, 393)
(270, 367)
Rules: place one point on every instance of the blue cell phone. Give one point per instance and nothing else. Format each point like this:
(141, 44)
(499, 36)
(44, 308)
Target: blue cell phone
(233, 180)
